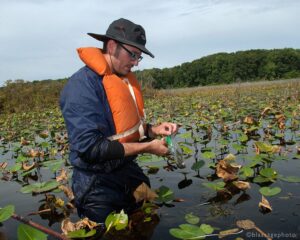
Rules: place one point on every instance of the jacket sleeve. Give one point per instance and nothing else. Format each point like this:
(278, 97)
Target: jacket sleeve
(86, 118)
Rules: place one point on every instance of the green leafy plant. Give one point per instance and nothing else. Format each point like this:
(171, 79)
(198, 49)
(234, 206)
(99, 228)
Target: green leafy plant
(118, 221)
(268, 191)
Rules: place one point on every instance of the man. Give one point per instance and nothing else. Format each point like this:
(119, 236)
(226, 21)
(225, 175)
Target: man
(104, 113)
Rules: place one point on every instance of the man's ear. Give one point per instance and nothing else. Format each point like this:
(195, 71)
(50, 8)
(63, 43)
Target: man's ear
(111, 45)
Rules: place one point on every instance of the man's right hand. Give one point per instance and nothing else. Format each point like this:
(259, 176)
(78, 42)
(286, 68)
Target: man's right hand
(157, 146)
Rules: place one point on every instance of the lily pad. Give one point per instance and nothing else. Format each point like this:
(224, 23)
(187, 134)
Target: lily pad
(165, 195)
(40, 187)
(191, 218)
(217, 186)
(81, 233)
(26, 232)
(268, 191)
(6, 212)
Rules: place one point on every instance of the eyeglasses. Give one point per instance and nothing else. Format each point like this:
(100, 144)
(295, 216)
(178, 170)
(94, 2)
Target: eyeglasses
(132, 55)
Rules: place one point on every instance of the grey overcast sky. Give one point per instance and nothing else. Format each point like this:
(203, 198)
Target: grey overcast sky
(38, 38)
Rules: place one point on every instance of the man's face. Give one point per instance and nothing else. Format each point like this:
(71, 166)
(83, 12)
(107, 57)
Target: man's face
(124, 58)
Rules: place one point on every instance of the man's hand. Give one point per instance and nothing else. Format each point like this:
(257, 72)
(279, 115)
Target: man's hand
(156, 146)
(163, 129)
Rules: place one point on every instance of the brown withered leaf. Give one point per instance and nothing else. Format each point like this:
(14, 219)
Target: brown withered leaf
(264, 205)
(28, 167)
(227, 170)
(67, 226)
(179, 200)
(242, 185)
(248, 225)
(86, 223)
(3, 165)
(68, 191)
(265, 111)
(24, 141)
(32, 153)
(63, 176)
(245, 224)
(249, 120)
(228, 232)
(143, 192)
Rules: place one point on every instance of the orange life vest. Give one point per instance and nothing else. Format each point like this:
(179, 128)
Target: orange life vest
(124, 97)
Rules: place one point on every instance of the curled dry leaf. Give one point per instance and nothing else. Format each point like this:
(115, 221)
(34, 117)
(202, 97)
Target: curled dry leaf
(67, 191)
(27, 167)
(228, 232)
(179, 200)
(249, 120)
(264, 205)
(143, 192)
(32, 153)
(67, 226)
(63, 176)
(227, 170)
(242, 185)
(265, 111)
(3, 165)
(248, 225)
(245, 224)
(24, 141)
(44, 134)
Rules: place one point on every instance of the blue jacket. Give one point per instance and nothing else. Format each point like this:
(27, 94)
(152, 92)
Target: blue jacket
(88, 119)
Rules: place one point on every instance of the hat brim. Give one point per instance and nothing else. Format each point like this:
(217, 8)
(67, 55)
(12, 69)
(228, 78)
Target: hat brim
(104, 38)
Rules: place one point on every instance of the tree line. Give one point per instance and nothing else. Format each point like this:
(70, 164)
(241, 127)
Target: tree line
(220, 68)
(224, 68)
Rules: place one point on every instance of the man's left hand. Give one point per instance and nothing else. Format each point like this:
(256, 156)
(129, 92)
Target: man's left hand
(164, 129)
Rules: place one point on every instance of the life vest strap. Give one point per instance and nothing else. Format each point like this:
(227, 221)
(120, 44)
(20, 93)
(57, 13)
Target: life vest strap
(126, 133)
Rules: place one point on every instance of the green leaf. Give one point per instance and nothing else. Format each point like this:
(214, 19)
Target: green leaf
(243, 138)
(268, 191)
(53, 165)
(191, 218)
(146, 158)
(40, 187)
(268, 173)
(246, 171)
(238, 147)
(292, 179)
(117, 220)
(260, 179)
(81, 233)
(45, 144)
(186, 135)
(207, 229)
(197, 165)
(192, 229)
(6, 212)
(208, 155)
(165, 195)
(264, 147)
(21, 158)
(186, 149)
(122, 221)
(15, 167)
(26, 232)
(110, 220)
(179, 233)
(217, 186)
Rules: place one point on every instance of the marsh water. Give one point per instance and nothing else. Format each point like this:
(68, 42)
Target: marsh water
(218, 211)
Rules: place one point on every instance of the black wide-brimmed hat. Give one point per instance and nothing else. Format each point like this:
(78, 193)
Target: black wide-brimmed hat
(125, 31)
